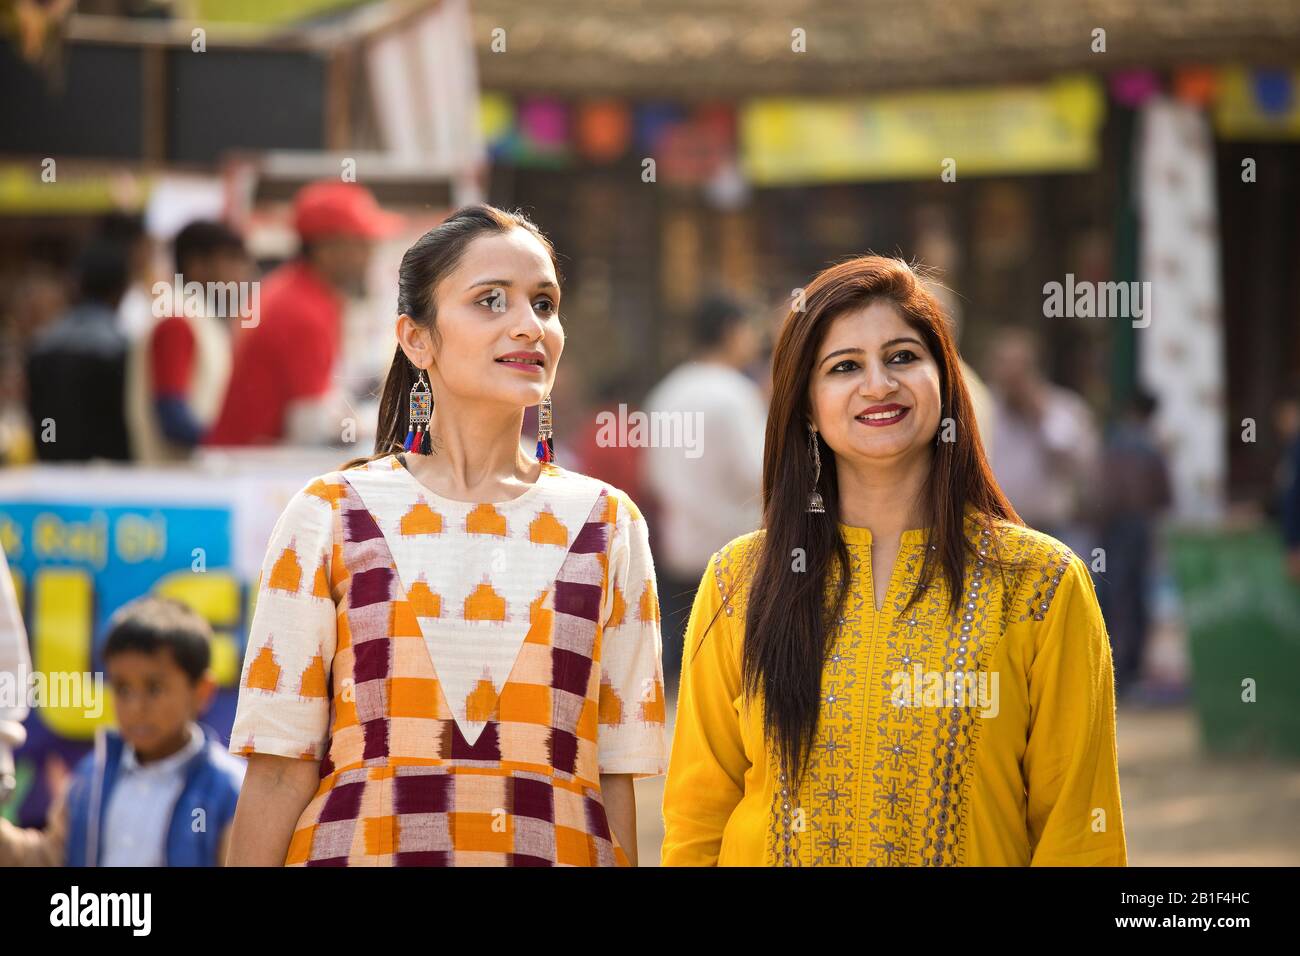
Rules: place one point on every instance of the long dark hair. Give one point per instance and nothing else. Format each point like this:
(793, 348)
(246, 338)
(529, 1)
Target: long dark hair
(425, 264)
(788, 620)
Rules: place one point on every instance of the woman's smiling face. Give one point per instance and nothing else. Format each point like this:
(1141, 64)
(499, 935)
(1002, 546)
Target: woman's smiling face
(498, 319)
(875, 391)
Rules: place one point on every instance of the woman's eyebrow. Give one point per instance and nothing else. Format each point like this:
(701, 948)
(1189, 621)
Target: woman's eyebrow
(903, 338)
(507, 284)
(884, 345)
(827, 358)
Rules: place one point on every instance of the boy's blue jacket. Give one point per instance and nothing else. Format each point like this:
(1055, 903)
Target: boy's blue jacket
(212, 780)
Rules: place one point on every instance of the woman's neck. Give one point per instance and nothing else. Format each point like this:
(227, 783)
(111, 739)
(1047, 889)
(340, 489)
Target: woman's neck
(476, 451)
(887, 498)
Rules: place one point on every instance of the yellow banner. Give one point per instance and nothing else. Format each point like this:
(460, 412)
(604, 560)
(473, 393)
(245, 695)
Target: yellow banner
(266, 11)
(41, 187)
(923, 135)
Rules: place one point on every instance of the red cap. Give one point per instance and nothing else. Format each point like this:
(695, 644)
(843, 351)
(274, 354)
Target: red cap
(332, 208)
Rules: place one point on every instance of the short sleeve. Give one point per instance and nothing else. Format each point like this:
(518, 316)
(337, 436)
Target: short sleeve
(632, 707)
(284, 702)
(706, 775)
(1071, 765)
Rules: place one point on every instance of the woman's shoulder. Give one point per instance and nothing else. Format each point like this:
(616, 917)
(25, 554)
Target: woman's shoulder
(381, 465)
(331, 486)
(322, 495)
(732, 566)
(620, 508)
(1025, 547)
(1038, 566)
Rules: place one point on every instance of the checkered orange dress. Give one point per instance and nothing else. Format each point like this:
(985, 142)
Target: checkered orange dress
(463, 672)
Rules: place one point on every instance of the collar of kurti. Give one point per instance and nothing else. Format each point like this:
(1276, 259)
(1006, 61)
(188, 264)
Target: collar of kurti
(913, 536)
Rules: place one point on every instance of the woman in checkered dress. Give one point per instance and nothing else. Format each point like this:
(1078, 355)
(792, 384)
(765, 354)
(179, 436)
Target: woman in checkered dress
(455, 653)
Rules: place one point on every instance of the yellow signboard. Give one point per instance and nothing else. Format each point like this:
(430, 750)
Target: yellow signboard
(41, 187)
(267, 11)
(923, 135)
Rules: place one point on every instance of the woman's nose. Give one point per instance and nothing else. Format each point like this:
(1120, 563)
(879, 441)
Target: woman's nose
(876, 381)
(530, 327)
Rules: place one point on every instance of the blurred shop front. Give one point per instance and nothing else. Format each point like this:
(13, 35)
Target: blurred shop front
(226, 116)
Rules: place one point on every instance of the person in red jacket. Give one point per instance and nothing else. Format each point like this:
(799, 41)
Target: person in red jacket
(281, 380)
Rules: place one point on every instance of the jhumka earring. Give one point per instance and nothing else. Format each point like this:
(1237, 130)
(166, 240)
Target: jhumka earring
(545, 451)
(815, 504)
(417, 433)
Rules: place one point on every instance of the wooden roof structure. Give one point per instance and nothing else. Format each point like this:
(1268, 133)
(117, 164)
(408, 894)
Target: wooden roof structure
(737, 48)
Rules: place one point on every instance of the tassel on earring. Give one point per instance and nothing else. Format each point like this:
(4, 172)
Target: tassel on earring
(417, 432)
(815, 504)
(545, 451)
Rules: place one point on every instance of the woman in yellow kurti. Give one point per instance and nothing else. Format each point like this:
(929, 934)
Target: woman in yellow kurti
(952, 701)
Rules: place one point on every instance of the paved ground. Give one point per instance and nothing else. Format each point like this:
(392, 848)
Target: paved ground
(1181, 807)
(1184, 808)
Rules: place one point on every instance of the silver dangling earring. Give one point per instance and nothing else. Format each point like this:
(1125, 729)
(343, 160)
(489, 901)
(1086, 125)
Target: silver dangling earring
(417, 432)
(815, 504)
(545, 450)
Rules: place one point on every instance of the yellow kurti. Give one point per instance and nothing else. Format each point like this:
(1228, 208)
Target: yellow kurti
(905, 770)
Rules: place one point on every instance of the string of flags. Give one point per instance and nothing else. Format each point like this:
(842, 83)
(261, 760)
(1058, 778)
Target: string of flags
(694, 143)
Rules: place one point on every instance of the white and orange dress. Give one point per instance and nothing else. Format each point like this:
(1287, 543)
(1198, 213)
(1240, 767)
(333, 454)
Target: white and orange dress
(464, 672)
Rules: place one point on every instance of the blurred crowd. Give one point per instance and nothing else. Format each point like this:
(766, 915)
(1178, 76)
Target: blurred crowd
(115, 364)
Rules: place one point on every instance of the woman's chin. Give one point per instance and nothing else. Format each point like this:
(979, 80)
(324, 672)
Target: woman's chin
(515, 397)
(884, 451)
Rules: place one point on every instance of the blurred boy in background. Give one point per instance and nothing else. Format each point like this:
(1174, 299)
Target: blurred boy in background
(162, 790)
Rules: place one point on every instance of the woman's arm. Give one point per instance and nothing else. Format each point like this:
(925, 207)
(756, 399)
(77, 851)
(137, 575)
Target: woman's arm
(275, 792)
(282, 721)
(1071, 769)
(706, 770)
(620, 809)
(632, 712)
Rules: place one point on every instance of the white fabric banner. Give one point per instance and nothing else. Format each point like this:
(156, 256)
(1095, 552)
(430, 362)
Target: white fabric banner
(1181, 350)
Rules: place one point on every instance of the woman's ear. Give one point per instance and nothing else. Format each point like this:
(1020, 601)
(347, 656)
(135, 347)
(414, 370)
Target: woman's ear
(415, 341)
